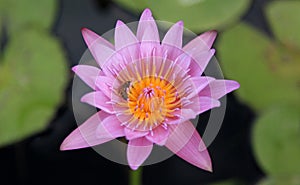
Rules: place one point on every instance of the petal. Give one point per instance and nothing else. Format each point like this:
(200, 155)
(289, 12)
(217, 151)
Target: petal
(99, 100)
(218, 88)
(88, 74)
(202, 103)
(174, 36)
(147, 28)
(137, 152)
(100, 48)
(159, 135)
(133, 134)
(185, 141)
(201, 43)
(110, 128)
(183, 61)
(104, 83)
(85, 134)
(123, 36)
(90, 37)
(200, 82)
(202, 59)
(195, 69)
(126, 43)
(182, 115)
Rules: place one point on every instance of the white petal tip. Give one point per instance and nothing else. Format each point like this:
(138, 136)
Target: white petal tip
(209, 169)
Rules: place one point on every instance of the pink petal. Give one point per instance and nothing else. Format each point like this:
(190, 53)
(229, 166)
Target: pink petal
(126, 43)
(218, 88)
(200, 43)
(90, 37)
(88, 74)
(174, 36)
(182, 115)
(110, 128)
(147, 28)
(147, 34)
(159, 135)
(185, 141)
(183, 61)
(104, 83)
(100, 48)
(202, 59)
(200, 82)
(85, 134)
(98, 99)
(133, 134)
(195, 69)
(123, 36)
(138, 151)
(202, 104)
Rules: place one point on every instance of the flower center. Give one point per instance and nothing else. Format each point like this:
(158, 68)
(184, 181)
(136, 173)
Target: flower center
(149, 93)
(152, 100)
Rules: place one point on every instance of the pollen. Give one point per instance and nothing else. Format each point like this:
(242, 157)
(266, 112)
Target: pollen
(151, 101)
(147, 93)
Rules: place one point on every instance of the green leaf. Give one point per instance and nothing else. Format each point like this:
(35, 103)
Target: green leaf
(3, 6)
(30, 13)
(283, 17)
(133, 5)
(286, 180)
(198, 15)
(284, 63)
(247, 56)
(276, 141)
(33, 78)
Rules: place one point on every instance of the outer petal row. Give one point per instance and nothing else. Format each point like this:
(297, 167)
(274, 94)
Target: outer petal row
(218, 88)
(100, 48)
(185, 141)
(85, 134)
(138, 151)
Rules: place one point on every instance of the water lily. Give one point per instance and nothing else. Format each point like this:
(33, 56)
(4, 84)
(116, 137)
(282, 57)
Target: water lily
(147, 91)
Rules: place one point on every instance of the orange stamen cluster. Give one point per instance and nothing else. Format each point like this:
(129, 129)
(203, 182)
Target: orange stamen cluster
(151, 100)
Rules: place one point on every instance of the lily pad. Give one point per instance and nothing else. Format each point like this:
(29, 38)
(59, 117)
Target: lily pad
(198, 15)
(134, 5)
(284, 62)
(249, 56)
(28, 13)
(283, 17)
(286, 180)
(276, 141)
(32, 81)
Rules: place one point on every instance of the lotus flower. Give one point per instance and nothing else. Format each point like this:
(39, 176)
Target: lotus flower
(147, 91)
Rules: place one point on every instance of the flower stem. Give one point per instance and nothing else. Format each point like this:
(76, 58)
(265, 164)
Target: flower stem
(135, 176)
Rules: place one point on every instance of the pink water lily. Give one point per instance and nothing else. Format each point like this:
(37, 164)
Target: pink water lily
(148, 90)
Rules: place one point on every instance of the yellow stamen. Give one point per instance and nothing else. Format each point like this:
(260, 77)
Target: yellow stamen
(151, 100)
